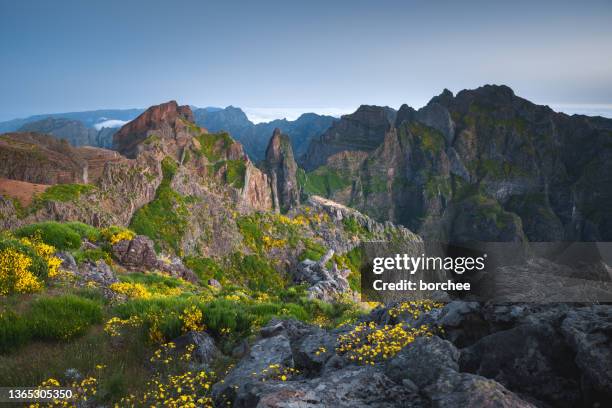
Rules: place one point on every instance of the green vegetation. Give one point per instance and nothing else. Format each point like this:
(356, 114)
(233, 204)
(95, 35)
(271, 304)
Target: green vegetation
(64, 192)
(48, 318)
(213, 145)
(323, 181)
(38, 265)
(205, 268)
(235, 173)
(61, 236)
(430, 139)
(164, 219)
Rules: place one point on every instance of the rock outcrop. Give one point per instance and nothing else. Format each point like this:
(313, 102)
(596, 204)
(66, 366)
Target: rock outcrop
(325, 283)
(282, 172)
(168, 120)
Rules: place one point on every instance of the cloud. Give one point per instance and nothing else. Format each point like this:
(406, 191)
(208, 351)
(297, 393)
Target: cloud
(110, 123)
(258, 115)
(590, 109)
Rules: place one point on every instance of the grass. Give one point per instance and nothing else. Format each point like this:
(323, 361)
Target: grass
(164, 219)
(213, 145)
(48, 318)
(323, 181)
(64, 192)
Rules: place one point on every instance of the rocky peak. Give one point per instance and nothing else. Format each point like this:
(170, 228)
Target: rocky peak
(167, 120)
(282, 169)
(363, 130)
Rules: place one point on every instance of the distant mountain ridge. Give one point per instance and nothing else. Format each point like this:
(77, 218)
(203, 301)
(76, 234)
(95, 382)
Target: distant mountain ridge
(255, 137)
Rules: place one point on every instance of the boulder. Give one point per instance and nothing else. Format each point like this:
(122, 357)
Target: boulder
(268, 351)
(350, 387)
(588, 331)
(205, 350)
(431, 364)
(531, 359)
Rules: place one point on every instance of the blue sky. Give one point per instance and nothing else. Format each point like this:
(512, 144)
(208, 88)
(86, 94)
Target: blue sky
(278, 58)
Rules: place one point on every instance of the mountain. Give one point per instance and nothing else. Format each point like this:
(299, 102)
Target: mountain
(170, 257)
(88, 118)
(73, 131)
(484, 164)
(254, 137)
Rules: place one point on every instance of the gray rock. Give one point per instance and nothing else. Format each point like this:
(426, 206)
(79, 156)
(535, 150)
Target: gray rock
(530, 359)
(250, 370)
(354, 387)
(588, 331)
(138, 253)
(205, 351)
(463, 322)
(68, 262)
(325, 284)
(453, 389)
(214, 283)
(423, 361)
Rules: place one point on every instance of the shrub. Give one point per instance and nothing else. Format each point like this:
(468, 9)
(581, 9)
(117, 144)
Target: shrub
(61, 236)
(255, 272)
(85, 231)
(22, 269)
(221, 315)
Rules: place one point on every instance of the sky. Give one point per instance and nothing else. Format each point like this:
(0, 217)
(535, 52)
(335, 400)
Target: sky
(281, 58)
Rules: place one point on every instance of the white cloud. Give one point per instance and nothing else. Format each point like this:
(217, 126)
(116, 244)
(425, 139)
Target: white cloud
(590, 109)
(258, 115)
(110, 123)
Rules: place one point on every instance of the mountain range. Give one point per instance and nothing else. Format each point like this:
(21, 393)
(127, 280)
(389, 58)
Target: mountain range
(96, 128)
(176, 244)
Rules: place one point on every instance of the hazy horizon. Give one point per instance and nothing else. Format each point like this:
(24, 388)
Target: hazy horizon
(276, 60)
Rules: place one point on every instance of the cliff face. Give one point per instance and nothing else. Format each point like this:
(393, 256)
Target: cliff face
(486, 154)
(282, 172)
(169, 120)
(363, 130)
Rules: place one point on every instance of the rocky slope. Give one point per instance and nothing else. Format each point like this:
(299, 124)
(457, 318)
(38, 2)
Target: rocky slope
(254, 137)
(482, 162)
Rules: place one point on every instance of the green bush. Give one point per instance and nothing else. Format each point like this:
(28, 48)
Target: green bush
(63, 317)
(92, 255)
(61, 236)
(39, 265)
(85, 231)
